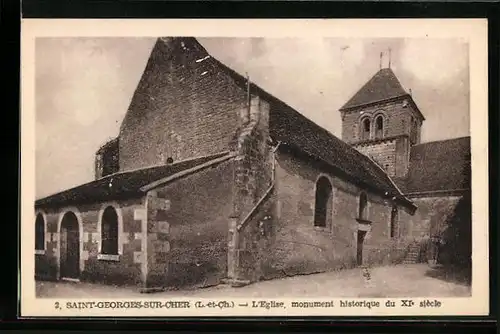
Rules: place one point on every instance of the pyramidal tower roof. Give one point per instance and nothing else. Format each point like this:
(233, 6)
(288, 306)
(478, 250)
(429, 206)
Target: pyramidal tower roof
(384, 85)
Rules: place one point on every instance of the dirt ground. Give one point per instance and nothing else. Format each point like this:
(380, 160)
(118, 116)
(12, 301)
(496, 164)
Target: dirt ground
(417, 280)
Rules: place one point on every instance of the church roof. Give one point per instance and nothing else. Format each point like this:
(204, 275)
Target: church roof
(124, 184)
(295, 130)
(286, 125)
(384, 85)
(439, 166)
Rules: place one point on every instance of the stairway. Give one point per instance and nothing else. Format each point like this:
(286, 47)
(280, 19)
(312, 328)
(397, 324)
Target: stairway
(413, 253)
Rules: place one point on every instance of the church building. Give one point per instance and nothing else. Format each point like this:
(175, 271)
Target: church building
(211, 179)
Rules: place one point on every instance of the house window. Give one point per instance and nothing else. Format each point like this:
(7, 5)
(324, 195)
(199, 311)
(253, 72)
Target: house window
(394, 222)
(363, 206)
(109, 232)
(365, 129)
(39, 232)
(379, 127)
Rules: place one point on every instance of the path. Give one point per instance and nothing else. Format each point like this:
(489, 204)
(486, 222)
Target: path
(396, 281)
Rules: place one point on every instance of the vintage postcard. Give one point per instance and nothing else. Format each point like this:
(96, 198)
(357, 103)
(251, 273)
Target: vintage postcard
(177, 168)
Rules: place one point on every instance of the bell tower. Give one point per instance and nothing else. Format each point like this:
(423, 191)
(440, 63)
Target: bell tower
(383, 121)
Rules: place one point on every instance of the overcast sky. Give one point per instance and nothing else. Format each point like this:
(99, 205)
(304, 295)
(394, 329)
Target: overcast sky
(84, 86)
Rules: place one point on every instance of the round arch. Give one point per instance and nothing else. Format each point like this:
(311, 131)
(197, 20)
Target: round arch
(365, 127)
(62, 215)
(323, 202)
(119, 217)
(379, 125)
(43, 217)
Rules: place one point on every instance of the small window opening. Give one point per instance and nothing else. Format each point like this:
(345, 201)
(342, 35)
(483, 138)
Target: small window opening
(379, 129)
(109, 233)
(366, 130)
(363, 204)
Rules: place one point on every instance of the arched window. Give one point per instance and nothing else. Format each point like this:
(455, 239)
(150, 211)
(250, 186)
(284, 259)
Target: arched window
(109, 232)
(394, 221)
(379, 127)
(365, 129)
(39, 232)
(323, 205)
(363, 206)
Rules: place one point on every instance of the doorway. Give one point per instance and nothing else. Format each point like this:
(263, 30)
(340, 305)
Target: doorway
(359, 252)
(70, 247)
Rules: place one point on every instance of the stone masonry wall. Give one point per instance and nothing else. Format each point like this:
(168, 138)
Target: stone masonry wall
(188, 227)
(396, 120)
(184, 107)
(128, 269)
(302, 248)
(382, 152)
(252, 178)
(390, 154)
(432, 217)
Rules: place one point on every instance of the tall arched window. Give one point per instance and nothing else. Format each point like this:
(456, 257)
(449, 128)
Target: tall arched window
(379, 127)
(365, 129)
(363, 206)
(39, 232)
(323, 204)
(109, 232)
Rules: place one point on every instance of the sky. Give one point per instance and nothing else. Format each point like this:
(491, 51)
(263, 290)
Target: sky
(83, 87)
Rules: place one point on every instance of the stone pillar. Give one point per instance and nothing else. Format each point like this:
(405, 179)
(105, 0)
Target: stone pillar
(158, 242)
(252, 175)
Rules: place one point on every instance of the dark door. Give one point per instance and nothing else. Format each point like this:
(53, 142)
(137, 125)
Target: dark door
(359, 253)
(70, 247)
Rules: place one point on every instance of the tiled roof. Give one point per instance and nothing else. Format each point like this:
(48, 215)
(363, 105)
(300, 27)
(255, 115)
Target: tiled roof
(384, 85)
(439, 166)
(286, 125)
(122, 184)
(292, 128)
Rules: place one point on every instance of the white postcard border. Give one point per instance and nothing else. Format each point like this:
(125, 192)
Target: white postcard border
(473, 30)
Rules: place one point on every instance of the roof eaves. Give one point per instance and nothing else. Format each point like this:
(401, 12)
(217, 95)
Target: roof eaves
(402, 197)
(347, 176)
(176, 176)
(348, 107)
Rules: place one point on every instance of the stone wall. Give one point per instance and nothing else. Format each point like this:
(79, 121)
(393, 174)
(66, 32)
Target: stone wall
(127, 269)
(397, 120)
(431, 218)
(391, 154)
(188, 227)
(302, 248)
(382, 152)
(252, 178)
(107, 159)
(185, 106)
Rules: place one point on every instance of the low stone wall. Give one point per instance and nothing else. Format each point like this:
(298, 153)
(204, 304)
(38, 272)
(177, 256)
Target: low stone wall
(188, 230)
